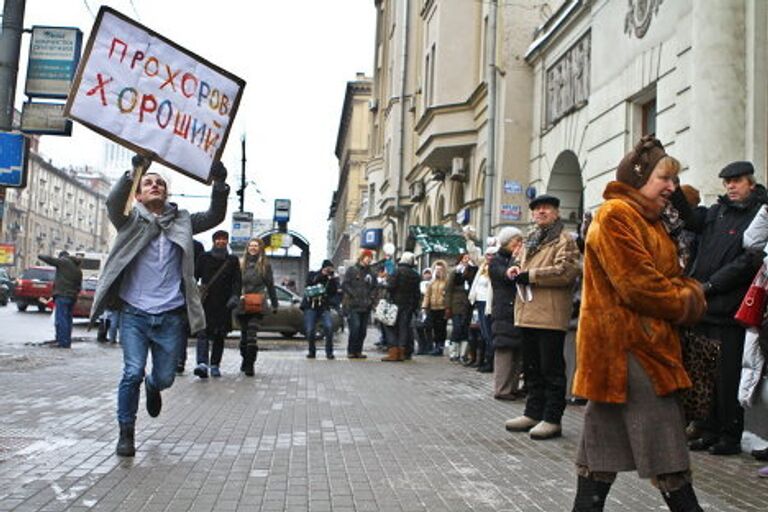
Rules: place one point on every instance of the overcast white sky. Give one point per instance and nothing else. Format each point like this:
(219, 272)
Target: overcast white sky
(296, 57)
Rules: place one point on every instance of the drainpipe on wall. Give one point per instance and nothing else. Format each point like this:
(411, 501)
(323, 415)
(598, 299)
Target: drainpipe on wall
(490, 159)
(403, 83)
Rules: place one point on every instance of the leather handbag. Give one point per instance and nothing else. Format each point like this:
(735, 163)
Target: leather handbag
(752, 309)
(700, 359)
(252, 303)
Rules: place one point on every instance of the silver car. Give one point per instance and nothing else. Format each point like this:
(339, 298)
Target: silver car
(289, 319)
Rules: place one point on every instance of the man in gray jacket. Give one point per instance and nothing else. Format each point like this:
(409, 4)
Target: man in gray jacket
(150, 277)
(66, 286)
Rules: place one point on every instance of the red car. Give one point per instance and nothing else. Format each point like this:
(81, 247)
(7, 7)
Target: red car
(34, 287)
(84, 302)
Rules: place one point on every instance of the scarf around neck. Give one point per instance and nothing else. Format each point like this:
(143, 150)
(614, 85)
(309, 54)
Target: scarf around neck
(542, 235)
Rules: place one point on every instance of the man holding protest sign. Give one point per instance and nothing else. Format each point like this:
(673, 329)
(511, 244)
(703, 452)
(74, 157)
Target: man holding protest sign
(149, 276)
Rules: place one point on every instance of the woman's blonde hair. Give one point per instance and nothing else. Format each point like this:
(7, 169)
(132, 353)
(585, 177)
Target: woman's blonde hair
(261, 258)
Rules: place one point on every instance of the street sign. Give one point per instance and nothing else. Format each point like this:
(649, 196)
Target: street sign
(242, 227)
(53, 57)
(282, 210)
(13, 160)
(45, 119)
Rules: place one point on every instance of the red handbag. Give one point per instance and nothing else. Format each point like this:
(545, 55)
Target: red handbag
(752, 309)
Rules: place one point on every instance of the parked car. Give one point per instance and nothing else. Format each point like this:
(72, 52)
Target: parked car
(289, 319)
(6, 287)
(34, 287)
(84, 301)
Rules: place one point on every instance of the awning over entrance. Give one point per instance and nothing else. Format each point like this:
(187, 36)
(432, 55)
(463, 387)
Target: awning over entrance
(437, 239)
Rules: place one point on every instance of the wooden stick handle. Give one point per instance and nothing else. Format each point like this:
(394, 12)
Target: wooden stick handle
(138, 172)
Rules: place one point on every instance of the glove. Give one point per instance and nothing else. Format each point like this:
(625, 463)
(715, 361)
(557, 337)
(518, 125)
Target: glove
(140, 161)
(522, 278)
(233, 302)
(218, 172)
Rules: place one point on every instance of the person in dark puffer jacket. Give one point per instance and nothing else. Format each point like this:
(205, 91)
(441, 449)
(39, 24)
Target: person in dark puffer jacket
(404, 291)
(725, 270)
(359, 283)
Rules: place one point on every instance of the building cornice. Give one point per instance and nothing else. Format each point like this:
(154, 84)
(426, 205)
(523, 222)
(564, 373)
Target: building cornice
(354, 88)
(61, 173)
(547, 33)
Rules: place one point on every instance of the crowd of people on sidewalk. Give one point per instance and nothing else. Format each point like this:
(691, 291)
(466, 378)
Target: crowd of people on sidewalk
(649, 268)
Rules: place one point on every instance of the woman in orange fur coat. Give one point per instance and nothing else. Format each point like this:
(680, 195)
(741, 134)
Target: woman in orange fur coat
(629, 362)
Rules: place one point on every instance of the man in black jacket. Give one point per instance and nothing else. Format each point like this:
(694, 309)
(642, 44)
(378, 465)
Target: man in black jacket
(219, 273)
(404, 290)
(322, 287)
(66, 286)
(358, 285)
(725, 270)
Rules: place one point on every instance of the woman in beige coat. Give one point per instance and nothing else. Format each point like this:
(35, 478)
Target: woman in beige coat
(434, 305)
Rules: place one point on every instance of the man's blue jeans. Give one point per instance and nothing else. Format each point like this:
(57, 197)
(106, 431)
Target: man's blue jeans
(164, 334)
(358, 326)
(311, 316)
(63, 320)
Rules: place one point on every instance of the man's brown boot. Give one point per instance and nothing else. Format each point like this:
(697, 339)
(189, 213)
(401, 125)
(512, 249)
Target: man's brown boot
(393, 354)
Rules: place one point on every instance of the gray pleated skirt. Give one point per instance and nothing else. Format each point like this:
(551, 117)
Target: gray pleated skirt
(646, 434)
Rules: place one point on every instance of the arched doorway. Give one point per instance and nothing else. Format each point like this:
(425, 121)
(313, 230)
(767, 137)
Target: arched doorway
(565, 183)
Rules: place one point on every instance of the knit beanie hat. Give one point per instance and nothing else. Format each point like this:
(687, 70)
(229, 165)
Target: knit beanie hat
(508, 233)
(637, 165)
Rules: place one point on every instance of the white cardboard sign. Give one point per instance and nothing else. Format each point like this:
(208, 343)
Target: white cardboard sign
(149, 94)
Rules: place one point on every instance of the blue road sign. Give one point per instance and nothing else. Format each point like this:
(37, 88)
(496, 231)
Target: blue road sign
(13, 168)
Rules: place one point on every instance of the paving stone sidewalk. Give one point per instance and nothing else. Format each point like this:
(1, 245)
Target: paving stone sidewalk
(302, 435)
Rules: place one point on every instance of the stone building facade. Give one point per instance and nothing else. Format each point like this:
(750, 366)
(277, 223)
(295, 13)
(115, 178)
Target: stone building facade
(577, 83)
(57, 210)
(346, 212)
(430, 123)
(607, 72)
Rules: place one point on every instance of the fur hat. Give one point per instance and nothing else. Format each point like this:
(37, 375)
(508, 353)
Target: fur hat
(691, 194)
(637, 165)
(407, 258)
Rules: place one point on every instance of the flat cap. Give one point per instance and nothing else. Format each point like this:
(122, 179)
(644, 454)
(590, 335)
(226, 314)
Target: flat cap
(544, 199)
(736, 169)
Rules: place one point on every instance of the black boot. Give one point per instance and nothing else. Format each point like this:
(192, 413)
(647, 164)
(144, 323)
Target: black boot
(251, 352)
(125, 446)
(682, 500)
(590, 495)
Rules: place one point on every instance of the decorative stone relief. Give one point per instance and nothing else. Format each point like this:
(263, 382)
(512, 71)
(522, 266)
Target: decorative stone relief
(567, 81)
(639, 16)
